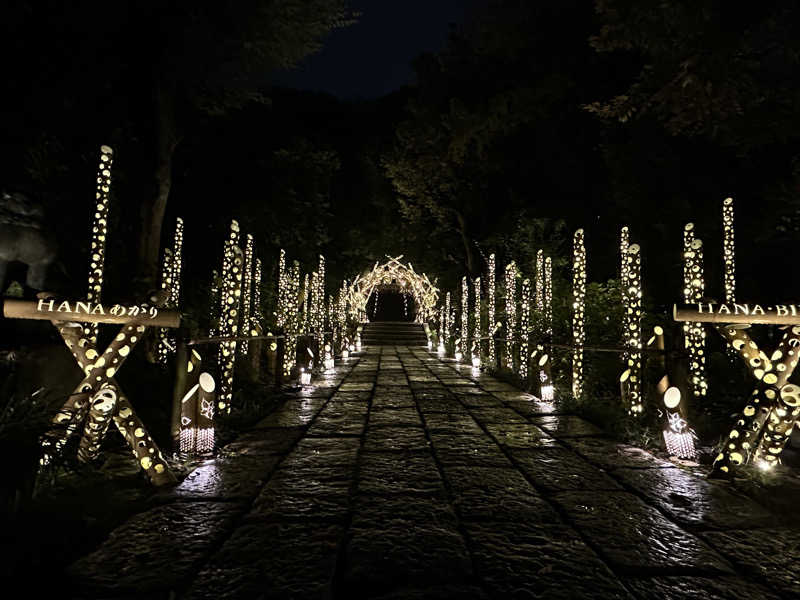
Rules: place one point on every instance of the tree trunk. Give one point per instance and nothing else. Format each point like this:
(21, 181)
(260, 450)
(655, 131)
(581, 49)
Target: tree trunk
(468, 256)
(154, 207)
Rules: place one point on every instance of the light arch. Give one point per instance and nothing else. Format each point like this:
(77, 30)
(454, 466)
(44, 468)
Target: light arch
(394, 272)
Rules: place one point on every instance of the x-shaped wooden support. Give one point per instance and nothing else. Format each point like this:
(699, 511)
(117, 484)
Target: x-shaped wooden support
(773, 403)
(99, 396)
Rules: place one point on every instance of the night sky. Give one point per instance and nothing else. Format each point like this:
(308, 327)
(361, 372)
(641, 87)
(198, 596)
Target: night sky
(373, 57)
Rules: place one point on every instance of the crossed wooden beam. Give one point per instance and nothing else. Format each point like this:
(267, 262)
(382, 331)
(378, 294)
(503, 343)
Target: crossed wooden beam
(98, 400)
(765, 424)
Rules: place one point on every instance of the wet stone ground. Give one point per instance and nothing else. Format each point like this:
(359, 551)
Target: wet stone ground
(401, 476)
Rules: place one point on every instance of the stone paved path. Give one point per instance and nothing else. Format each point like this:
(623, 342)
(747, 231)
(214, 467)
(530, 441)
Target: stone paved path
(402, 477)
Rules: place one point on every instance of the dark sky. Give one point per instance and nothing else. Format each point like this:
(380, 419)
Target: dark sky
(373, 57)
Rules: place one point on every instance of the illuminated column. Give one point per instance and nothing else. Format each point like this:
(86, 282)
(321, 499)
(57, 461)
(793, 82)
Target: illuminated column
(282, 290)
(214, 302)
(306, 301)
(292, 319)
(633, 334)
(578, 311)
(197, 409)
(247, 292)
(539, 292)
(476, 342)
(321, 297)
(163, 347)
(229, 319)
(547, 390)
(171, 267)
(101, 407)
(464, 318)
(99, 232)
(313, 317)
(693, 292)
(524, 329)
(729, 250)
(624, 243)
(447, 320)
(490, 309)
(511, 312)
(255, 320)
(442, 329)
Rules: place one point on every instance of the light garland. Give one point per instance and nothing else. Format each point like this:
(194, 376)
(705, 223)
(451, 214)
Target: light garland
(693, 292)
(511, 312)
(476, 343)
(247, 292)
(464, 317)
(490, 308)
(578, 311)
(633, 334)
(97, 250)
(729, 250)
(292, 320)
(524, 328)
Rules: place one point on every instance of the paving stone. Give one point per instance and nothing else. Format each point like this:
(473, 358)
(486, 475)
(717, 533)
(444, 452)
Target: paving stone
(352, 396)
(446, 592)
(496, 493)
(611, 455)
(356, 387)
(403, 549)
(225, 479)
(477, 400)
(264, 442)
(452, 423)
(567, 426)
(520, 435)
(433, 394)
(684, 587)
(390, 473)
(496, 415)
(633, 536)
(559, 469)
(492, 385)
(369, 510)
(154, 551)
(400, 417)
(396, 438)
(291, 416)
(434, 405)
(384, 400)
(769, 555)
(534, 560)
(313, 452)
(271, 561)
(695, 501)
(533, 408)
(340, 417)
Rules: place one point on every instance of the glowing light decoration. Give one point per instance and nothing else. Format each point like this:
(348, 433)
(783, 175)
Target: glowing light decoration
(197, 409)
(229, 320)
(394, 273)
(693, 292)
(97, 250)
(548, 299)
(490, 308)
(320, 310)
(341, 316)
(539, 291)
(214, 303)
(247, 292)
(524, 328)
(633, 334)
(476, 336)
(283, 291)
(624, 243)
(511, 312)
(578, 311)
(164, 345)
(464, 317)
(171, 284)
(442, 330)
(292, 323)
(729, 250)
(306, 301)
(447, 320)
(255, 319)
(546, 389)
(678, 438)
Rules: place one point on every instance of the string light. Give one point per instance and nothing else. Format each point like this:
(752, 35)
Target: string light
(693, 292)
(97, 249)
(464, 317)
(511, 312)
(524, 328)
(490, 308)
(578, 311)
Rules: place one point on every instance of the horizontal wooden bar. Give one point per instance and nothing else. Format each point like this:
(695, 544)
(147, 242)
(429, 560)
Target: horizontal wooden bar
(753, 314)
(90, 312)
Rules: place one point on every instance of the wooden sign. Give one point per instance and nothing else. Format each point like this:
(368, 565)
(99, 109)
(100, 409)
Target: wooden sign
(758, 314)
(51, 309)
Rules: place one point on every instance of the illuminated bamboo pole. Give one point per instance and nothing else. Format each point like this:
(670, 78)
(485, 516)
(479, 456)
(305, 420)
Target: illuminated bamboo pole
(442, 329)
(283, 297)
(306, 302)
(214, 303)
(743, 439)
(624, 243)
(464, 318)
(229, 320)
(524, 328)
(477, 333)
(729, 250)
(247, 291)
(447, 321)
(693, 292)
(101, 408)
(547, 390)
(578, 312)
(313, 317)
(539, 292)
(256, 325)
(163, 347)
(511, 312)
(97, 258)
(490, 309)
(633, 336)
(292, 320)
